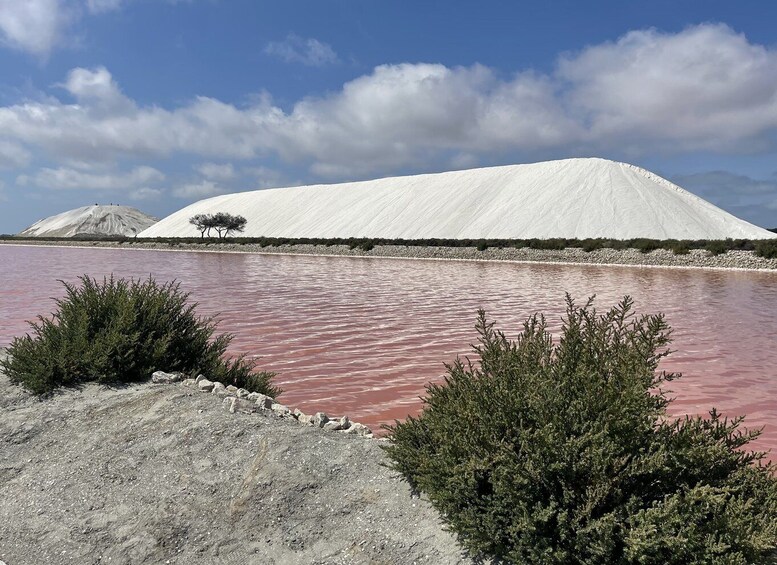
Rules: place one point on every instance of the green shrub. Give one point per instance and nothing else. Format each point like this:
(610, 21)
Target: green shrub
(680, 247)
(646, 245)
(590, 245)
(717, 247)
(562, 453)
(548, 244)
(482, 245)
(122, 331)
(766, 248)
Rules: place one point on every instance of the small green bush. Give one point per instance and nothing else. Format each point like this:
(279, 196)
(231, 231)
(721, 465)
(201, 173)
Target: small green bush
(563, 453)
(590, 245)
(680, 247)
(122, 331)
(717, 247)
(646, 245)
(766, 248)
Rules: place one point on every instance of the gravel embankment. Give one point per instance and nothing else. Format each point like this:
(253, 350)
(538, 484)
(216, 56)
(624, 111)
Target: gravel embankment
(697, 258)
(165, 474)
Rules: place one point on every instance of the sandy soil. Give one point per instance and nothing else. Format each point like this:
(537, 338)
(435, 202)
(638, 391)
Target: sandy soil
(164, 474)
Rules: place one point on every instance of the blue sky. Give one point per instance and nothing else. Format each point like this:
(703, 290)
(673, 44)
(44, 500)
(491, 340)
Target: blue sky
(158, 103)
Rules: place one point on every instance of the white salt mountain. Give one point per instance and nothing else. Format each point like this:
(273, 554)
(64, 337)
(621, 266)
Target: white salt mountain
(93, 220)
(571, 198)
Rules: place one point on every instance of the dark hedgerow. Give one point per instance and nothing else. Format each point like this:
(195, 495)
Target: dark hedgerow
(122, 331)
(563, 453)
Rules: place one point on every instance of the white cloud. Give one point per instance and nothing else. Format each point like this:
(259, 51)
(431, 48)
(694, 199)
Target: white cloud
(295, 49)
(72, 179)
(215, 171)
(13, 155)
(198, 190)
(705, 88)
(265, 177)
(38, 26)
(33, 25)
(146, 193)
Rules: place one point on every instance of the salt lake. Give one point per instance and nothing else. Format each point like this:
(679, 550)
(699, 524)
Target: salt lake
(362, 336)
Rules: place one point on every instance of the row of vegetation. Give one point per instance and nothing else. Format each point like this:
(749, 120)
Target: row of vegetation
(537, 451)
(763, 248)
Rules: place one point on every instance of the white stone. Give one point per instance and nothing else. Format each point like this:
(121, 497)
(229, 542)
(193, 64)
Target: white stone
(305, 419)
(242, 393)
(264, 402)
(359, 430)
(280, 409)
(332, 426)
(234, 404)
(205, 385)
(319, 419)
(160, 377)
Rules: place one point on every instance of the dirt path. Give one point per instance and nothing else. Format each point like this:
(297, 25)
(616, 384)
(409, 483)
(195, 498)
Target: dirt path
(164, 474)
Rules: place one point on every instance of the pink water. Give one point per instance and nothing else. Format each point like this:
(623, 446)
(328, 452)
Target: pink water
(363, 336)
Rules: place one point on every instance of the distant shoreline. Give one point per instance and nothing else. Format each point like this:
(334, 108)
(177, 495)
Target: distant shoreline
(694, 259)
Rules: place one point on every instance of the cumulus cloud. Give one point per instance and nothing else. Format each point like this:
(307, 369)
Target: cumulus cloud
(146, 193)
(295, 49)
(64, 178)
(38, 26)
(197, 190)
(705, 88)
(265, 177)
(13, 155)
(215, 171)
(33, 25)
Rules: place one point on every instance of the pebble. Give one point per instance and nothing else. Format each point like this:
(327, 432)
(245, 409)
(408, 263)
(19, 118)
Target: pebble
(160, 377)
(205, 385)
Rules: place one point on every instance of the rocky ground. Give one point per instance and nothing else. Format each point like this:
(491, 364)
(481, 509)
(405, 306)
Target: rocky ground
(165, 473)
(697, 258)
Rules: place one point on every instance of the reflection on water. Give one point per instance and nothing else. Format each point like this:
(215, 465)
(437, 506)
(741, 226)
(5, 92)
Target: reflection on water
(363, 336)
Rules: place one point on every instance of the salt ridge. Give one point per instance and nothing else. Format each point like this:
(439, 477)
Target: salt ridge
(92, 220)
(571, 198)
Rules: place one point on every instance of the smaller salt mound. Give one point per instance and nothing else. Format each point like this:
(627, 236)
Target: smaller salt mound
(92, 220)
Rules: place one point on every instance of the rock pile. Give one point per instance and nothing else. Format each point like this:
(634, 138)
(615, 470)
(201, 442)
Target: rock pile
(696, 258)
(240, 400)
